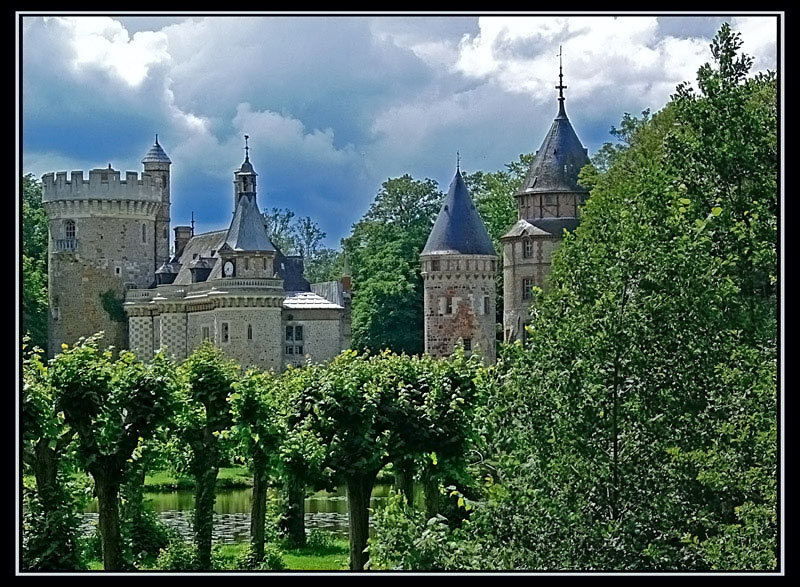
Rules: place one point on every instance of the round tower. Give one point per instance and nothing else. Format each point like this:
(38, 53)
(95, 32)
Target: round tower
(101, 243)
(458, 270)
(156, 165)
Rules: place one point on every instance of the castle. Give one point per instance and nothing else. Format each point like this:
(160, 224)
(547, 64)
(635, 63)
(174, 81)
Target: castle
(458, 260)
(110, 268)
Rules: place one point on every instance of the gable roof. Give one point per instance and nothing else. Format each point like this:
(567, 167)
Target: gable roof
(458, 228)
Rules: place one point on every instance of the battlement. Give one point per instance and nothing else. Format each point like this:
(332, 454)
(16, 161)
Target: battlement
(103, 184)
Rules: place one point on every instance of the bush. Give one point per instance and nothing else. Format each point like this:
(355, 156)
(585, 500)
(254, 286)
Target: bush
(145, 535)
(320, 540)
(178, 556)
(49, 543)
(227, 557)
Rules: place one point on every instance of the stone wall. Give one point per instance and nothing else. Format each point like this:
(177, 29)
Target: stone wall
(517, 268)
(468, 282)
(322, 335)
(107, 255)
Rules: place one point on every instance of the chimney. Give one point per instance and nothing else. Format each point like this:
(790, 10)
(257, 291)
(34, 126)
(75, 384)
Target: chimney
(182, 236)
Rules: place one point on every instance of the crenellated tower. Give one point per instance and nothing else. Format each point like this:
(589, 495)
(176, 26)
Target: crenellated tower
(458, 271)
(547, 204)
(102, 242)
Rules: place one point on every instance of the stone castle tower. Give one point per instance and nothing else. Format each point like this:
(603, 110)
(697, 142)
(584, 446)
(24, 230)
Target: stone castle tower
(105, 237)
(547, 204)
(458, 270)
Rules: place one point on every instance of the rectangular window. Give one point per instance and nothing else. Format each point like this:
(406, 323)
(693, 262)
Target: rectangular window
(486, 307)
(294, 334)
(449, 306)
(435, 265)
(206, 333)
(224, 332)
(289, 349)
(467, 344)
(527, 285)
(289, 333)
(298, 333)
(144, 233)
(247, 262)
(527, 248)
(249, 332)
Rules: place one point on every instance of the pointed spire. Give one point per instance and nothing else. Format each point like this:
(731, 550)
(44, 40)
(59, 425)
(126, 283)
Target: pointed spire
(246, 167)
(560, 87)
(458, 161)
(459, 228)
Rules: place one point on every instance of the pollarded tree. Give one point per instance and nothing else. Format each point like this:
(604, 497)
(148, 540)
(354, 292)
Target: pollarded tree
(259, 426)
(50, 533)
(111, 406)
(203, 415)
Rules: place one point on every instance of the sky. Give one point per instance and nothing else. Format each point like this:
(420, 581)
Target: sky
(335, 105)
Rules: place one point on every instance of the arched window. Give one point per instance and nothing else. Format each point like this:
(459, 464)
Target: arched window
(69, 229)
(249, 332)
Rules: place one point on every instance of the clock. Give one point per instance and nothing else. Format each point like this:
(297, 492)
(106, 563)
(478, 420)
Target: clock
(228, 269)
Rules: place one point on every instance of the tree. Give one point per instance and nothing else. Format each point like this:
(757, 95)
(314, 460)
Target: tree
(34, 262)
(260, 427)
(637, 428)
(50, 534)
(308, 236)
(326, 265)
(278, 223)
(383, 253)
(112, 407)
(203, 416)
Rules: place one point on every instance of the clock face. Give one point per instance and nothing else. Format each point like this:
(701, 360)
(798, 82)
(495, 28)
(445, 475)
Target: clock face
(228, 268)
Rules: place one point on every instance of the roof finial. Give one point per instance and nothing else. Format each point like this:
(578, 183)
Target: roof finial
(246, 148)
(560, 87)
(458, 161)
(156, 138)
(192, 222)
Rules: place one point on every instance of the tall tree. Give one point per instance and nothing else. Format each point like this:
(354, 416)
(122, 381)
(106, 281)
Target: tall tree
(34, 262)
(383, 253)
(278, 222)
(112, 407)
(203, 416)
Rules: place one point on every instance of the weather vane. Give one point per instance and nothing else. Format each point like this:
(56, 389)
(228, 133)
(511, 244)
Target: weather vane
(458, 161)
(246, 147)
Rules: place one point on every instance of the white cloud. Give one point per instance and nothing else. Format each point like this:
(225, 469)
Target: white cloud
(104, 42)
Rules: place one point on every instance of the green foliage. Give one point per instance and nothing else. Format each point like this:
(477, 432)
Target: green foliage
(34, 262)
(178, 556)
(112, 304)
(50, 539)
(637, 428)
(383, 252)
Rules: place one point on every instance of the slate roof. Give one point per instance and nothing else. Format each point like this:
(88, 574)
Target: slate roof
(290, 269)
(542, 226)
(246, 167)
(557, 163)
(201, 245)
(247, 232)
(299, 300)
(156, 154)
(458, 228)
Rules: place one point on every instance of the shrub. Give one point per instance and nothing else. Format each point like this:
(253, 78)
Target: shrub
(178, 556)
(49, 543)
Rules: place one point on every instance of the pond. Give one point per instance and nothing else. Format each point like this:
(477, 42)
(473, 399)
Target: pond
(326, 511)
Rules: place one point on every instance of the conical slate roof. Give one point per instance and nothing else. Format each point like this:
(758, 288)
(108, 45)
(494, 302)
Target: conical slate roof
(557, 163)
(156, 154)
(458, 228)
(247, 232)
(246, 168)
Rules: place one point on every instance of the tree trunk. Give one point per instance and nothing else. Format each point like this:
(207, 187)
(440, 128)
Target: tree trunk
(107, 497)
(404, 481)
(205, 495)
(359, 489)
(45, 469)
(431, 489)
(257, 515)
(296, 511)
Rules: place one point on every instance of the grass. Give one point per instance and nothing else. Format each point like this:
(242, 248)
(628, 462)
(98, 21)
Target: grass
(228, 478)
(333, 557)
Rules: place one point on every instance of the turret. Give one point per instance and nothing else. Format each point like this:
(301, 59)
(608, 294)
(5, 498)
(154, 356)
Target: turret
(547, 204)
(157, 166)
(458, 270)
(245, 178)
